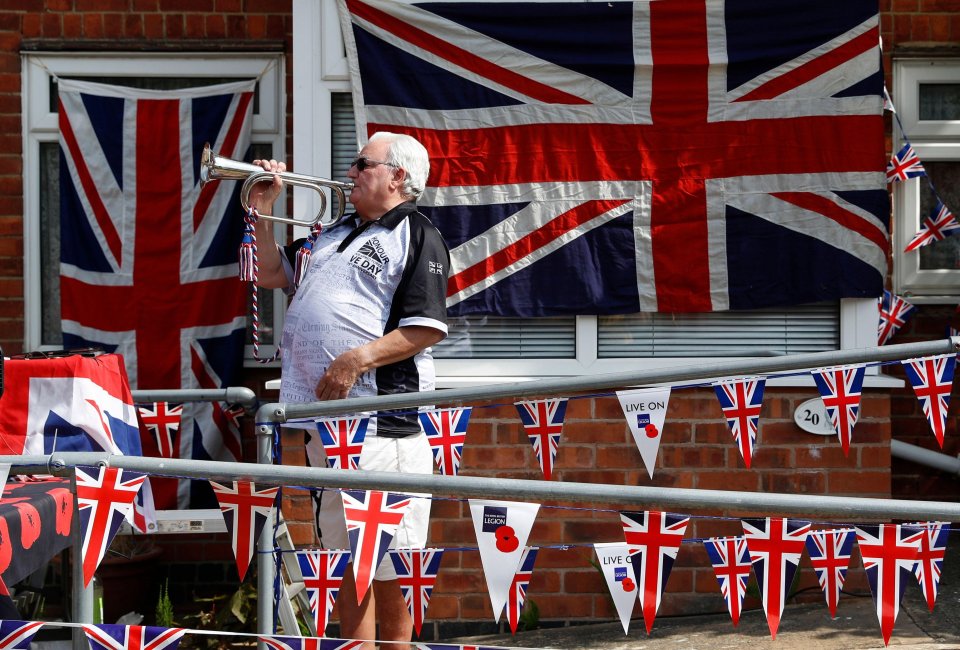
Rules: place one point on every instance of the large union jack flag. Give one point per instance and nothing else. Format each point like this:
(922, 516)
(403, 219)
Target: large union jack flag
(932, 381)
(731, 565)
(132, 637)
(741, 401)
(653, 539)
(309, 643)
(16, 635)
(933, 547)
(889, 552)
(342, 440)
(446, 430)
(894, 313)
(417, 570)
(775, 546)
(543, 422)
(245, 510)
(148, 257)
(938, 226)
(517, 595)
(829, 552)
(372, 518)
(840, 390)
(706, 160)
(322, 573)
(905, 164)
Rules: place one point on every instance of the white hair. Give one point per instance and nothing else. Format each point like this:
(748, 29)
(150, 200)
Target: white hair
(408, 154)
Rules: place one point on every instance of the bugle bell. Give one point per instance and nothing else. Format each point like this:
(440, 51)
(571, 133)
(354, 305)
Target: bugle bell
(214, 167)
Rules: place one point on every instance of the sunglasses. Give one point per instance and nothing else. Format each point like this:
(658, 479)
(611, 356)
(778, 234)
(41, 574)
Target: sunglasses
(362, 163)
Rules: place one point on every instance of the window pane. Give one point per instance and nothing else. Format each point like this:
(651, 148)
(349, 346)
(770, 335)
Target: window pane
(945, 177)
(344, 138)
(492, 337)
(940, 101)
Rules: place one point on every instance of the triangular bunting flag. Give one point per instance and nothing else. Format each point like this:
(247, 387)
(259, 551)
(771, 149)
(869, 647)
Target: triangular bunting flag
(342, 440)
(840, 389)
(543, 422)
(829, 552)
(645, 410)
(889, 552)
(887, 102)
(372, 519)
(245, 510)
(653, 540)
(617, 568)
(16, 635)
(731, 565)
(322, 573)
(933, 547)
(132, 637)
(162, 422)
(502, 529)
(741, 401)
(894, 313)
(309, 643)
(417, 571)
(446, 429)
(932, 381)
(936, 227)
(104, 499)
(904, 164)
(775, 546)
(517, 594)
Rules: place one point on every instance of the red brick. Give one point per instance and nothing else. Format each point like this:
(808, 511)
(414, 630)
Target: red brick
(153, 26)
(93, 26)
(194, 26)
(796, 483)
(32, 25)
(876, 483)
(934, 6)
(746, 481)
(256, 26)
(827, 455)
(173, 26)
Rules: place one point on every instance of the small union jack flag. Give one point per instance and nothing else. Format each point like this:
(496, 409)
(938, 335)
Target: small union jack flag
(132, 637)
(342, 439)
(775, 546)
(446, 430)
(829, 552)
(104, 498)
(936, 227)
(741, 401)
(933, 546)
(162, 422)
(894, 313)
(905, 164)
(322, 573)
(543, 422)
(840, 389)
(889, 552)
(245, 510)
(518, 588)
(932, 381)
(372, 518)
(417, 570)
(309, 643)
(16, 635)
(731, 565)
(654, 539)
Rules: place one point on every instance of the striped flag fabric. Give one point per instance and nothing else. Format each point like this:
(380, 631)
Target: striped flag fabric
(446, 430)
(132, 637)
(929, 566)
(894, 313)
(938, 226)
(932, 381)
(543, 422)
(741, 401)
(417, 570)
(731, 564)
(342, 439)
(245, 511)
(372, 518)
(17, 635)
(322, 572)
(905, 164)
(889, 553)
(775, 545)
(840, 389)
(829, 552)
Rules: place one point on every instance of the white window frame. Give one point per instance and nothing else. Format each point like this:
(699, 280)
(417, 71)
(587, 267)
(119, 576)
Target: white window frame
(933, 140)
(40, 126)
(320, 69)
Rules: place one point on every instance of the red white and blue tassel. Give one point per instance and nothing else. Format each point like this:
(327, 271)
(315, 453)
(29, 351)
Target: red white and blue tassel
(250, 271)
(303, 256)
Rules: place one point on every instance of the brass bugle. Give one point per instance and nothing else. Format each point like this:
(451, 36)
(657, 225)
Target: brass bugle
(214, 167)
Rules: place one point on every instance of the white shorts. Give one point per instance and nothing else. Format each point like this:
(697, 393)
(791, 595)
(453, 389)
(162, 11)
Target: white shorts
(410, 455)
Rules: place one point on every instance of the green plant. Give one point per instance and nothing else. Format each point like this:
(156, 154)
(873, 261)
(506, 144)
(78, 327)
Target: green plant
(529, 616)
(164, 612)
(226, 612)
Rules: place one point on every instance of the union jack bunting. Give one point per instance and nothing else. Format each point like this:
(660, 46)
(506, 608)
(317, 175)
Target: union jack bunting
(160, 437)
(840, 389)
(904, 164)
(543, 422)
(446, 429)
(309, 643)
(938, 226)
(829, 552)
(372, 518)
(105, 497)
(653, 539)
(894, 313)
(731, 565)
(775, 546)
(933, 546)
(417, 570)
(245, 510)
(889, 552)
(932, 381)
(741, 401)
(342, 440)
(322, 573)
(132, 637)
(689, 188)
(16, 635)
(518, 588)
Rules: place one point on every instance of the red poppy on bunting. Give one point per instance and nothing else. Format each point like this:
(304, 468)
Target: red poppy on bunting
(904, 164)
(731, 565)
(132, 637)
(653, 539)
(322, 573)
(932, 381)
(245, 510)
(889, 552)
(104, 498)
(938, 226)
(309, 643)
(16, 635)
(417, 570)
(894, 313)
(829, 552)
(840, 389)
(342, 439)
(446, 430)
(517, 594)
(741, 401)
(933, 546)
(372, 518)
(775, 546)
(543, 422)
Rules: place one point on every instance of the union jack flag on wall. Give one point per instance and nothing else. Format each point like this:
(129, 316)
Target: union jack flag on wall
(132, 637)
(446, 430)
(148, 260)
(245, 510)
(829, 552)
(731, 565)
(840, 390)
(932, 381)
(741, 402)
(616, 157)
(775, 546)
(889, 552)
(322, 573)
(417, 570)
(543, 422)
(933, 547)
